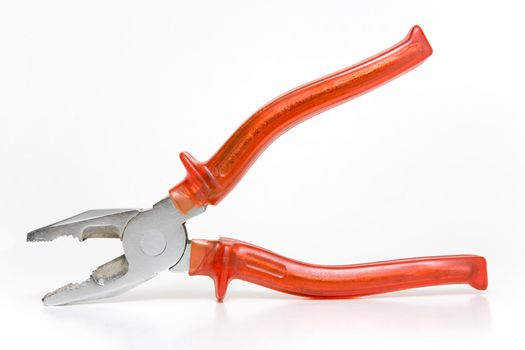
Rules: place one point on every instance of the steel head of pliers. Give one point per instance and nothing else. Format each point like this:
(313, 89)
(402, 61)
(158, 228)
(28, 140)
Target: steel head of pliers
(154, 240)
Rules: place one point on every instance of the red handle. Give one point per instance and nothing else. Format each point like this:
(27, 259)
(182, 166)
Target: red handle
(209, 182)
(228, 259)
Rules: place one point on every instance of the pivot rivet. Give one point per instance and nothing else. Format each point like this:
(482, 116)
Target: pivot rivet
(153, 243)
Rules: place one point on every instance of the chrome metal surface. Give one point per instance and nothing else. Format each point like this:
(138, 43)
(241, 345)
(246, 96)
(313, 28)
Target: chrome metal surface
(154, 240)
(103, 223)
(184, 263)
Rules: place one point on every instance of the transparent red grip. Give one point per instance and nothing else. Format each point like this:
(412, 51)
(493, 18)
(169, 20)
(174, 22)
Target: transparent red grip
(228, 259)
(209, 182)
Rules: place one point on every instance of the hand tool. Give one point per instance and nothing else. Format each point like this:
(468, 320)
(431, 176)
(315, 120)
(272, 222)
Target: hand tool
(155, 239)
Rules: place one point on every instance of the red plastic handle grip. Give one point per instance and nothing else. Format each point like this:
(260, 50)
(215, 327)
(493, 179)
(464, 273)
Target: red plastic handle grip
(228, 259)
(209, 182)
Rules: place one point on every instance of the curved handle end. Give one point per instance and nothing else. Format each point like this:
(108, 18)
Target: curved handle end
(479, 278)
(416, 35)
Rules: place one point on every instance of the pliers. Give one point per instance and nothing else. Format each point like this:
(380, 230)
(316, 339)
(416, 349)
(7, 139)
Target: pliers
(155, 239)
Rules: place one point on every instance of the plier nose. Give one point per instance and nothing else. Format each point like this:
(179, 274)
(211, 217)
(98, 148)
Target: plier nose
(155, 240)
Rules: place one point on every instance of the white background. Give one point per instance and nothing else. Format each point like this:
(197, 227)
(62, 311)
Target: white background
(98, 97)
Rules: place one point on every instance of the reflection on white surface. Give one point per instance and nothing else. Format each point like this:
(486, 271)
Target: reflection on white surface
(427, 313)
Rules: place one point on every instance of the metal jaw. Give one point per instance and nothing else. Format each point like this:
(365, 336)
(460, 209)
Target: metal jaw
(154, 240)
